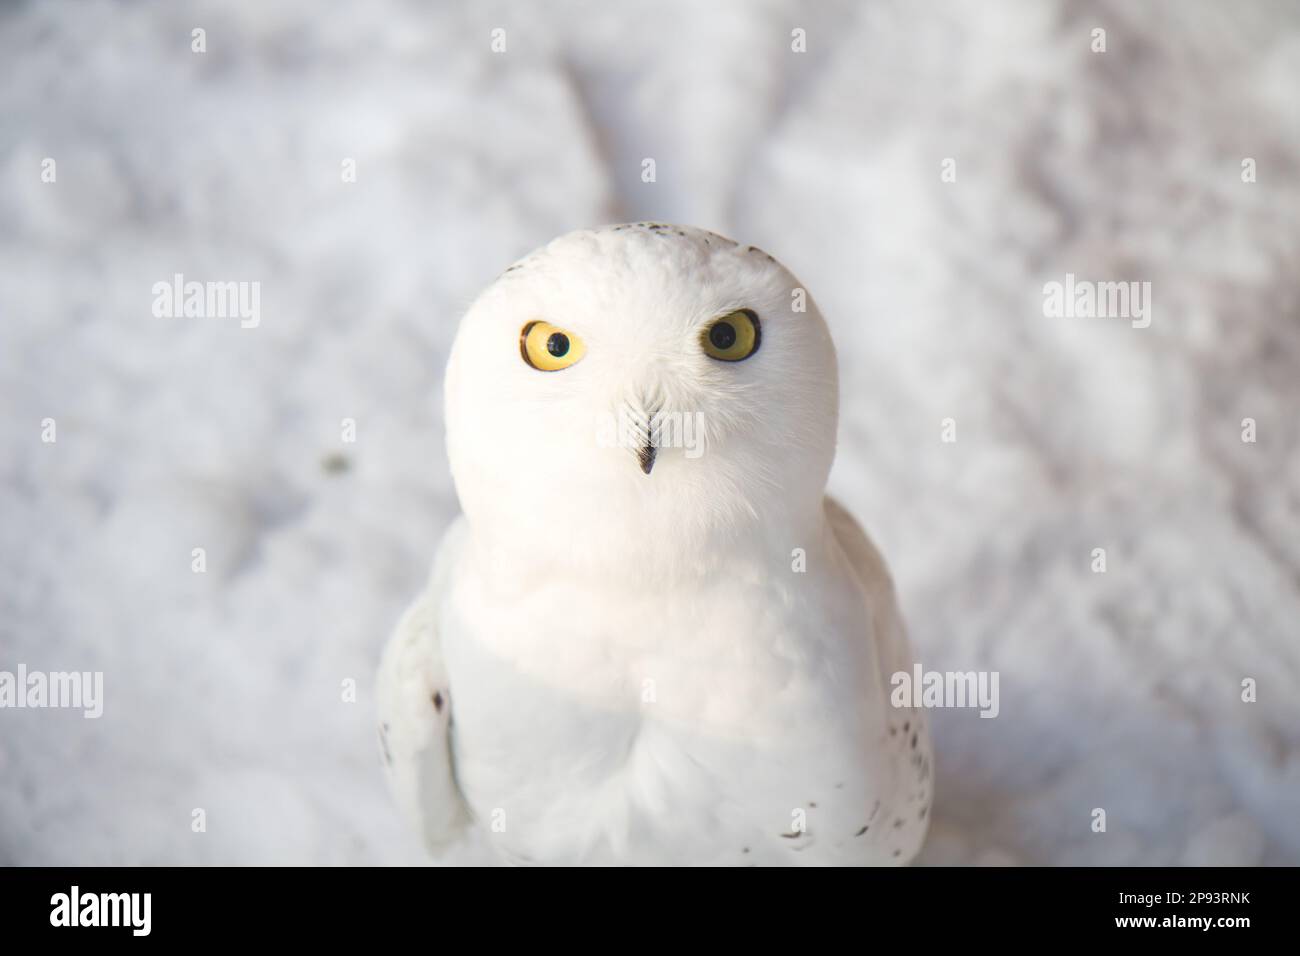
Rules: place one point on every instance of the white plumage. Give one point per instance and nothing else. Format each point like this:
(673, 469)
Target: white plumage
(650, 654)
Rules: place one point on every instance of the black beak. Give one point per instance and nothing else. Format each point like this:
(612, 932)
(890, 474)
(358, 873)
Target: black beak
(646, 455)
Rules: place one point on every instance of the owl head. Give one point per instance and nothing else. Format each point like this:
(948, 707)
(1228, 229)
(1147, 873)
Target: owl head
(635, 395)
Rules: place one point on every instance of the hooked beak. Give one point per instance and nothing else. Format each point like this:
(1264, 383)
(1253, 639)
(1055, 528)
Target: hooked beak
(646, 456)
(643, 419)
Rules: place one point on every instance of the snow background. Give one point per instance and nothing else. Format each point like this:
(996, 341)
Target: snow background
(1118, 690)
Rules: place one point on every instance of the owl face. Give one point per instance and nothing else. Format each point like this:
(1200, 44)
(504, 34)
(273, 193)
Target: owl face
(637, 377)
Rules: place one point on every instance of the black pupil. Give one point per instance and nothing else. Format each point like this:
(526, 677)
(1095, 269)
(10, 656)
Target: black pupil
(558, 344)
(722, 335)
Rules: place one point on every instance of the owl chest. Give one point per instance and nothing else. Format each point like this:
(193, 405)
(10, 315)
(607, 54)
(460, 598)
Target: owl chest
(618, 733)
(716, 655)
(564, 692)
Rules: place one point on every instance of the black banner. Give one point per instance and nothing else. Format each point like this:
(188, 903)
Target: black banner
(342, 905)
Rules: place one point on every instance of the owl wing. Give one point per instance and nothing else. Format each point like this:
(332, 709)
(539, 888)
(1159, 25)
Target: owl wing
(869, 567)
(415, 715)
(909, 797)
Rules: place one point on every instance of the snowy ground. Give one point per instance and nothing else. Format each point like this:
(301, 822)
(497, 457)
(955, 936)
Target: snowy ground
(1119, 690)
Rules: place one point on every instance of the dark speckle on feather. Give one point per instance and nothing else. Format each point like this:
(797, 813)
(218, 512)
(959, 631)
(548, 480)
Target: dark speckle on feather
(335, 463)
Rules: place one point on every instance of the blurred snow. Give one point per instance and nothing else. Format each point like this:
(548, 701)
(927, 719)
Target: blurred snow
(223, 691)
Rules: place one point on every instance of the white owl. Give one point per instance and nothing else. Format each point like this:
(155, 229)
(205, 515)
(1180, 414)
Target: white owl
(651, 637)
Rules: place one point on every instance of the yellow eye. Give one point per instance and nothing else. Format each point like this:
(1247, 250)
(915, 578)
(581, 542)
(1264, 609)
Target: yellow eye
(733, 337)
(548, 348)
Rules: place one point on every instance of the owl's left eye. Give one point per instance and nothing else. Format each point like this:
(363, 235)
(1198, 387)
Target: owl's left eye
(549, 348)
(732, 338)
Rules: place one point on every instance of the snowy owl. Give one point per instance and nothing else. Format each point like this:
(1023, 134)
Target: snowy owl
(651, 638)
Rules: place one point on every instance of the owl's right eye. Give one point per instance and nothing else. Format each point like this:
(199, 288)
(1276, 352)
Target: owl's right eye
(549, 348)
